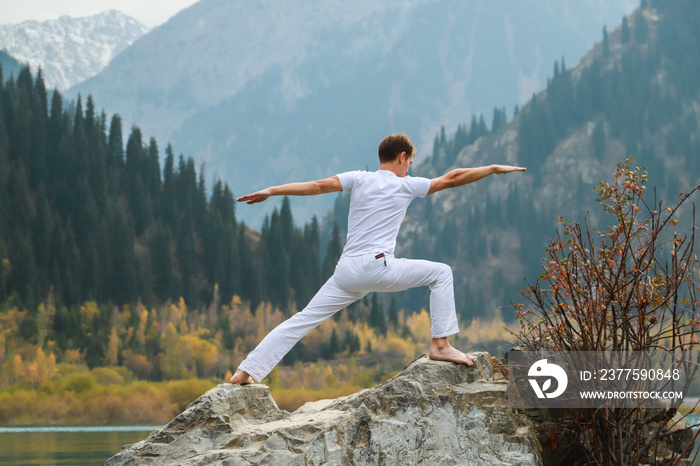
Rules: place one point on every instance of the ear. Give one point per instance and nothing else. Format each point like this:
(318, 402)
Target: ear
(402, 157)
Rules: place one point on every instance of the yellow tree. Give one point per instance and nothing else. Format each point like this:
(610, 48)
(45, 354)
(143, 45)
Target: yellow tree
(171, 357)
(112, 355)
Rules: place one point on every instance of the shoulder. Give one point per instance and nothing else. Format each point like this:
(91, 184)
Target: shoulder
(349, 179)
(418, 185)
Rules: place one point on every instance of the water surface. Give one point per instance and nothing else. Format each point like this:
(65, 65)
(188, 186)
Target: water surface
(66, 445)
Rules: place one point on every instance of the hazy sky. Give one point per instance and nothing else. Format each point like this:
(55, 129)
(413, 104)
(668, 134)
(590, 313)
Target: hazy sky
(149, 12)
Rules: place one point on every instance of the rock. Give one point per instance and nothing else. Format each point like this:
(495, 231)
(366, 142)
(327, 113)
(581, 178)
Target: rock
(430, 413)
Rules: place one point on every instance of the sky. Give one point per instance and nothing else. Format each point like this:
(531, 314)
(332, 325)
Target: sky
(149, 12)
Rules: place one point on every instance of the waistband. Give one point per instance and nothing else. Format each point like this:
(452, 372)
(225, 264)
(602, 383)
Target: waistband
(375, 254)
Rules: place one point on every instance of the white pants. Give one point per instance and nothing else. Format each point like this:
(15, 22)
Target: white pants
(353, 278)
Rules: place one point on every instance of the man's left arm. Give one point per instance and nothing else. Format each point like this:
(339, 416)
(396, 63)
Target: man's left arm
(461, 176)
(306, 188)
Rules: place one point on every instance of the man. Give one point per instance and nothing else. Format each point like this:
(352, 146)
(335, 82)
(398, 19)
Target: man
(378, 203)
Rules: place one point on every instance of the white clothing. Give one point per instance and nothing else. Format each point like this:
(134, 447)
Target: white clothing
(354, 277)
(378, 203)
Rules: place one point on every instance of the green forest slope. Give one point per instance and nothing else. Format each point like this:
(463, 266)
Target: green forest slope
(636, 94)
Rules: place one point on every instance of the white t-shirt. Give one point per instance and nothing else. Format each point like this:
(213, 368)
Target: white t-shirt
(378, 203)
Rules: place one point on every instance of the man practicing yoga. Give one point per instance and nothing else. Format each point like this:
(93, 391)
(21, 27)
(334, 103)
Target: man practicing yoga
(378, 203)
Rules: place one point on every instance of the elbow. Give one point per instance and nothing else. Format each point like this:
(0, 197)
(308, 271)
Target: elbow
(316, 188)
(321, 187)
(452, 180)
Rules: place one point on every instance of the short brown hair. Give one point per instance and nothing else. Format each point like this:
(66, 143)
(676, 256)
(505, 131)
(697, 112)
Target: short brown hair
(393, 145)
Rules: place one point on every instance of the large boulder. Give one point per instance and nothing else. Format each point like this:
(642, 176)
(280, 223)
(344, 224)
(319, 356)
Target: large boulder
(430, 413)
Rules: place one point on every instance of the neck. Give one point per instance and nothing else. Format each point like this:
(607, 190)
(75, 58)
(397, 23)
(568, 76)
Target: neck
(390, 166)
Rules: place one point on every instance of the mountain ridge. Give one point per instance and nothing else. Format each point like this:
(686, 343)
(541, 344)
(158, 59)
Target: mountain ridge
(70, 50)
(496, 234)
(310, 90)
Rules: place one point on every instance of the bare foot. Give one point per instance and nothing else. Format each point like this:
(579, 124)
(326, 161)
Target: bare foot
(242, 378)
(440, 350)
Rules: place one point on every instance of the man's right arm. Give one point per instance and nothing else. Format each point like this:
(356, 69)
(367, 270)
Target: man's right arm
(461, 176)
(307, 188)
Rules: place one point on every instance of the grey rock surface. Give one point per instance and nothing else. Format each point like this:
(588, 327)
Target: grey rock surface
(430, 413)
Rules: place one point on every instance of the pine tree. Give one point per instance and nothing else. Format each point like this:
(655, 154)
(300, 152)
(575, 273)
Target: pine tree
(122, 246)
(19, 115)
(168, 207)
(606, 43)
(249, 271)
(287, 224)
(21, 253)
(115, 143)
(200, 198)
(153, 181)
(461, 140)
(376, 315)
(187, 260)
(55, 126)
(70, 267)
(91, 126)
(598, 140)
(625, 34)
(333, 252)
(276, 272)
(436, 150)
(641, 29)
(305, 264)
(313, 242)
(5, 168)
(38, 169)
(473, 130)
(79, 135)
(393, 314)
(497, 122)
(333, 344)
(161, 261)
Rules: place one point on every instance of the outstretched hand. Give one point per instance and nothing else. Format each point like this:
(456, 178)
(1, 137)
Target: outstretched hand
(501, 169)
(255, 197)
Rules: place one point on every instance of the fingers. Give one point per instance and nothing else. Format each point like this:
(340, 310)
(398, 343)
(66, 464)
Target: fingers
(509, 168)
(253, 198)
(246, 198)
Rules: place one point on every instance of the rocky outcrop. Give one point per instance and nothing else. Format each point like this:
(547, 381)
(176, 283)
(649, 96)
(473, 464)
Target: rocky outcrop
(430, 413)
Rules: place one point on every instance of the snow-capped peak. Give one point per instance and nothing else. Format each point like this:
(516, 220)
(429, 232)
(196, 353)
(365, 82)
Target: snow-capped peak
(70, 50)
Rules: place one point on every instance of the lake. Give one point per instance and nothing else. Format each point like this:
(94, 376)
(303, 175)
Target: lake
(66, 445)
(79, 446)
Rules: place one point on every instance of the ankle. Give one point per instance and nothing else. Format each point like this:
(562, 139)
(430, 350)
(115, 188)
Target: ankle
(439, 343)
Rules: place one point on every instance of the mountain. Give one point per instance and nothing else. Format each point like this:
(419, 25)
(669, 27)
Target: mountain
(636, 93)
(268, 92)
(70, 50)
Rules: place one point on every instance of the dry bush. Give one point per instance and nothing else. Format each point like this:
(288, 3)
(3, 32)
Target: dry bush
(629, 287)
